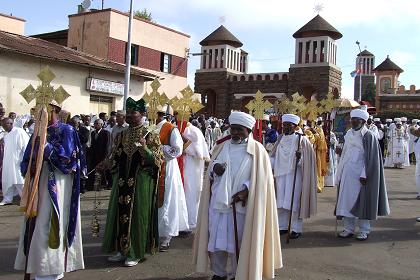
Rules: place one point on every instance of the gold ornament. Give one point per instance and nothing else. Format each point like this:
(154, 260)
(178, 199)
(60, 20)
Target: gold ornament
(258, 106)
(311, 110)
(154, 100)
(186, 105)
(298, 104)
(283, 105)
(44, 94)
(327, 104)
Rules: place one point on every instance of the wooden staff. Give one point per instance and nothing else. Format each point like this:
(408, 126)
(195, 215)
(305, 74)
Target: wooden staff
(235, 224)
(293, 190)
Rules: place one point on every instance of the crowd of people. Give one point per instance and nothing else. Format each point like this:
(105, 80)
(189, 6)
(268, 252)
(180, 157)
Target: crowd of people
(205, 176)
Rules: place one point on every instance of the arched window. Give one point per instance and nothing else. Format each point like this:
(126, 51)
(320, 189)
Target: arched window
(276, 77)
(251, 78)
(267, 77)
(284, 77)
(235, 78)
(259, 78)
(242, 78)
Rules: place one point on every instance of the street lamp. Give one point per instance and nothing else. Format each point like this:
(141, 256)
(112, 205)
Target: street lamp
(359, 62)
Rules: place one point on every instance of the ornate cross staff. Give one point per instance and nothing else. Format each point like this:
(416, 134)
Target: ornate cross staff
(154, 100)
(257, 107)
(185, 106)
(43, 95)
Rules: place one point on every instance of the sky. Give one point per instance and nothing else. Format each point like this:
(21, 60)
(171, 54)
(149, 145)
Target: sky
(265, 27)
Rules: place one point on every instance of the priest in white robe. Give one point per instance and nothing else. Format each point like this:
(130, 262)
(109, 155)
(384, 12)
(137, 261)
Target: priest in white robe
(332, 163)
(238, 174)
(413, 139)
(397, 145)
(56, 243)
(416, 133)
(289, 148)
(406, 141)
(213, 133)
(172, 213)
(15, 142)
(362, 194)
(196, 154)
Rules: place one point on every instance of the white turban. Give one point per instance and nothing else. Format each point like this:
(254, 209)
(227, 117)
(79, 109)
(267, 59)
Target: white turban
(241, 118)
(414, 121)
(319, 119)
(359, 113)
(388, 120)
(376, 119)
(290, 118)
(266, 117)
(403, 119)
(397, 119)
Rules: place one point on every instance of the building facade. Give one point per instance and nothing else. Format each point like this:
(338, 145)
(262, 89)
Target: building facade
(156, 49)
(225, 84)
(95, 84)
(390, 95)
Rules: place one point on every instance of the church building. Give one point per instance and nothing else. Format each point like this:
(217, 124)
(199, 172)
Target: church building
(225, 84)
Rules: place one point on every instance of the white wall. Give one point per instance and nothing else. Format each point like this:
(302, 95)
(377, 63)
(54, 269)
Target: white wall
(18, 71)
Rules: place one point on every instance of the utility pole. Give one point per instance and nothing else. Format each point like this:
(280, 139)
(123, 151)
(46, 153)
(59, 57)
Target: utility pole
(128, 57)
(359, 62)
(103, 4)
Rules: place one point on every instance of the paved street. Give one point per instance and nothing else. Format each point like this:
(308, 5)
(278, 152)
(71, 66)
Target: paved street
(392, 251)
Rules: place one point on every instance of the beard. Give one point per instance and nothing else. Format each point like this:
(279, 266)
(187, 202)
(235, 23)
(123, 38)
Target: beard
(238, 141)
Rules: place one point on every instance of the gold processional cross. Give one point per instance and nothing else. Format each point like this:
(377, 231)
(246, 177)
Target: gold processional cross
(45, 93)
(258, 106)
(185, 105)
(154, 100)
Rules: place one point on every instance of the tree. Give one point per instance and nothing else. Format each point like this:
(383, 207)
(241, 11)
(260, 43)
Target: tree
(369, 94)
(143, 14)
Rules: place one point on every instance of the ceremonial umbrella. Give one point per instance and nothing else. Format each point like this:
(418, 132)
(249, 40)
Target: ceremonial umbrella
(346, 103)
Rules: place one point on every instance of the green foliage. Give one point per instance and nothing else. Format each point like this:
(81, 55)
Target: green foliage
(391, 114)
(369, 94)
(143, 14)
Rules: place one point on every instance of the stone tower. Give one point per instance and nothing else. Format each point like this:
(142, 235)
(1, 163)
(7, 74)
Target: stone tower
(365, 62)
(221, 57)
(315, 71)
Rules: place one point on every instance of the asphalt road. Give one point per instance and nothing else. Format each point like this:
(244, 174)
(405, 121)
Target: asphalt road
(392, 251)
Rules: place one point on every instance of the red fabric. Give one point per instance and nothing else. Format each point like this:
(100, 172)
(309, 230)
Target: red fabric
(181, 127)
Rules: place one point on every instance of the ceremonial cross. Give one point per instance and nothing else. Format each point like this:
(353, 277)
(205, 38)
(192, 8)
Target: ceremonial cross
(44, 94)
(311, 110)
(186, 104)
(298, 102)
(399, 139)
(154, 100)
(258, 105)
(398, 153)
(283, 105)
(327, 104)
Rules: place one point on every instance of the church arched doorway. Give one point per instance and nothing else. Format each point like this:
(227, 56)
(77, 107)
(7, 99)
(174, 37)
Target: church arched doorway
(208, 99)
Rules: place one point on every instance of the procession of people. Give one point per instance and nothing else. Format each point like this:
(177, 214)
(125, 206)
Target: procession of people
(236, 191)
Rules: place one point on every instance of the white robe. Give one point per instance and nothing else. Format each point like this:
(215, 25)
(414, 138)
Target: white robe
(15, 143)
(212, 135)
(349, 171)
(194, 157)
(284, 173)
(332, 164)
(411, 142)
(397, 148)
(173, 215)
(43, 260)
(238, 176)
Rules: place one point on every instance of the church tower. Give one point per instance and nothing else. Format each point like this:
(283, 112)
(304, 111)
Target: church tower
(387, 74)
(221, 56)
(365, 62)
(315, 72)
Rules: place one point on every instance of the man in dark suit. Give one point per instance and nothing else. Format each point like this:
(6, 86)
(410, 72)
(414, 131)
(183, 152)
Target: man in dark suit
(84, 136)
(98, 150)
